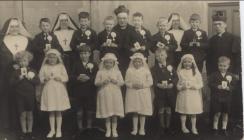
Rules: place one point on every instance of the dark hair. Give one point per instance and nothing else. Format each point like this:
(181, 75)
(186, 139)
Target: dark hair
(121, 9)
(138, 14)
(84, 15)
(44, 20)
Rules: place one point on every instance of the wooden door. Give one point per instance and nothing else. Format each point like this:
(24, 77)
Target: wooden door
(228, 9)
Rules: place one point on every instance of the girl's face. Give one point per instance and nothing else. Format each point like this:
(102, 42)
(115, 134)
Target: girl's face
(108, 64)
(137, 63)
(187, 63)
(108, 24)
(45, 27)
(84, 56)
(24, 62)
(137, 21)
(14, 28)
(52, 59)
(84, 23)
(161, 57)
(122, 19)
(195, 24)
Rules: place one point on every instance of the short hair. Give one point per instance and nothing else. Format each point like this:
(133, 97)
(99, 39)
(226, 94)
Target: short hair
(84, 15)
(162, 19)
(21, 55)
(195, 17)
(44, 20)
(84, 48)
(138, 14)
(121, 9)
(223, 59)
(109, 18)
(160, 50)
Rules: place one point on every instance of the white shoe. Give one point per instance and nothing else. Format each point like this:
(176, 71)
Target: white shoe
(58, 134)
(134, 132)
(142, 132)
(50, 134)
(185, 130)
(194, 131)
(108, 133)
(115, 133)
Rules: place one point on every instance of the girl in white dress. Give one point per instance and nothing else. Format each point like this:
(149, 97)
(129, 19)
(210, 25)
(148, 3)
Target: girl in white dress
(109, 97)
(189, 98)
(138, 99)
(54, 97)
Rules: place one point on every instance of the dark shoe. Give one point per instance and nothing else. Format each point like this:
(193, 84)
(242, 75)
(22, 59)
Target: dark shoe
(215, 132)
(31, 136)
(225, 133)
(22, 136)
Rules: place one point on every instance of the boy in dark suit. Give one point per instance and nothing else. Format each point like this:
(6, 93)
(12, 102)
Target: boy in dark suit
(139, 38)
(222, 84)
(108, 38)
(195, 41)
(43, 42)
(164, 79)
(84, 35)
(84, 90)
(164, 39)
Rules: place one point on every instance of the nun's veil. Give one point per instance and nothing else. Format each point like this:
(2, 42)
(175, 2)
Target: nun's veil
(22, 28)
(71, 22)
(175, 16)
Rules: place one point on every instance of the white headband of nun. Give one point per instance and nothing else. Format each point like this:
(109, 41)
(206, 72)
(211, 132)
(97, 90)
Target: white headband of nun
(64, 17)
(22, 30)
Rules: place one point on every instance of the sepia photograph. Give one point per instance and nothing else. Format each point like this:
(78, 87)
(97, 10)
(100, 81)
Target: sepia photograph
(121, 70)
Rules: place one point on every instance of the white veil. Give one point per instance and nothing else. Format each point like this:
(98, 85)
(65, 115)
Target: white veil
(175, 16)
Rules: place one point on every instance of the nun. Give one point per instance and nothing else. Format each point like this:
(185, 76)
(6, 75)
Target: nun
(64, 29)
(177, 26)
(14, 38)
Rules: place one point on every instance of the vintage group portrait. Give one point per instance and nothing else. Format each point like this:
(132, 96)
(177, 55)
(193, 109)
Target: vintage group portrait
(120, 70)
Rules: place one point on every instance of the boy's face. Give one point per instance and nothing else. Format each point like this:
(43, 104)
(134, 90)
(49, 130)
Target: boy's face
(24, 62)
(108, 64)
(162, 26)
(108, 24)
(220, 26)
(223, 66)
(52, 59)
(195, 24)
(137, 21)
(84, 56)
(187, 63)
(137, 63)
(84, 23)
(161, 57)
(64, 23)
(45, 27)
(122, 19)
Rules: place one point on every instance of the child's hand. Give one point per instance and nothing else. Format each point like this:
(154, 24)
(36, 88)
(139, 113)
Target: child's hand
(197, 44)
(83, 78)
(21, 77)
(114, 45)
(143, 48)
(105, 82)
(114, 81)
(137, 86)
(133, 49)
(57, 79)
(170, 86)
(220, 87)
(227, 88)
(191, 44)
(160, 86)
